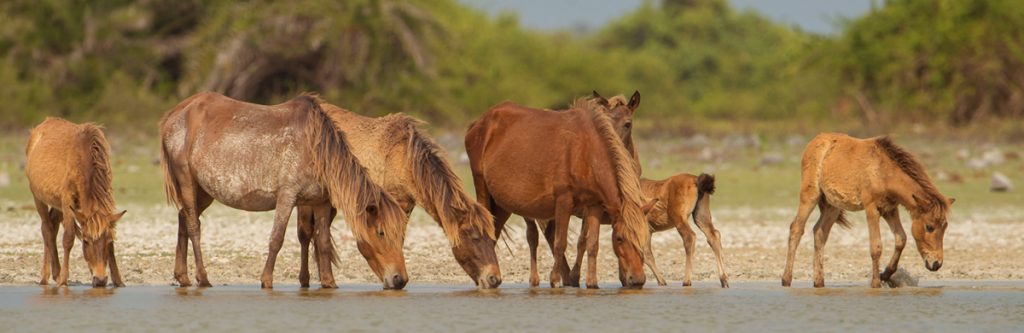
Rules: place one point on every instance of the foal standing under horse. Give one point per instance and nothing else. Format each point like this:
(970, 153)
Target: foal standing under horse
(840, 173)
(259, 158)
(550, 165)
(68, 169)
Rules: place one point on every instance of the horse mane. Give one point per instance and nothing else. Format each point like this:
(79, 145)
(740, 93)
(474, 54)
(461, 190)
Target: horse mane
(628, 180)
(617, 101)
(96, 200)
(912, 168)
(438, 188)
(345, 179)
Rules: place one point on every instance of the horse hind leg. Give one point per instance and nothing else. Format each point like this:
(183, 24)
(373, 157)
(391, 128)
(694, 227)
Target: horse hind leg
(809, 196)
(549, 236)
(892, 218)
(323, 245)
(193, 202)
(828, 216)
(592, 234)
(55, 222)
(304, 226)
(582, 246)
(563, 211)
(703, 220)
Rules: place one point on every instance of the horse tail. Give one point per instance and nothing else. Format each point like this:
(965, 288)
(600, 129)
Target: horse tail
(346, 181)
(171, 187)
(841, 220)
(705, 188)
(438, 188)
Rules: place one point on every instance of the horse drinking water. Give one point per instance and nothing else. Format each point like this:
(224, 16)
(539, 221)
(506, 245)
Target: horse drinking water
(258, 158)
(841, 173)
(68, 169)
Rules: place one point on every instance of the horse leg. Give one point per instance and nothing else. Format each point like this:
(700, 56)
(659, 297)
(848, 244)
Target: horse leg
(68, 242)
(892, 217)
(532, 239)
(285, 204)
(46, 227)
(549, 236)
(181, 251)
(563, 211)
(193, 201)
(304, 226)
(591, 234)
(115, 273)
(686, 233)
(581, 250)
(714, 239)
(828, 215)
(809, 196)
(652, 264)
(324, 246)
(875, 237)
(55, 222)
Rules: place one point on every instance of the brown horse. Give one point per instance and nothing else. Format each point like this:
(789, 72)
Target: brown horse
(840, 173)
(259, 158)
(411, 167)
(68, 169)
(620, 113)
(550, 165)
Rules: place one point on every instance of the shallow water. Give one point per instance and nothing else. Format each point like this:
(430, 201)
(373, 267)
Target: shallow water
(747, 306)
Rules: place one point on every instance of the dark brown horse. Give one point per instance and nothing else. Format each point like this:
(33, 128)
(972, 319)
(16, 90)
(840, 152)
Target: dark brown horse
(259, 158)
(412, 168)
(841, 173)
(68, 169)
(550, 165)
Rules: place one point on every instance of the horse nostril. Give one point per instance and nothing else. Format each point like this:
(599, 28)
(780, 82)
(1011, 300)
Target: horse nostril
(936, 265)
(494, 280)
(397, 282)
(97, 282)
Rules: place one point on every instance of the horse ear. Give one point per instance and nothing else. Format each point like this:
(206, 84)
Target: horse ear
(650, 204)
(118, 216)
(600, 100)
(920, 202)
(951, 201)
(634, 101)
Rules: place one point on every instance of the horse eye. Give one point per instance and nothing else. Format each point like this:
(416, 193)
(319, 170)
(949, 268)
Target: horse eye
(628, 125)
(929, 228)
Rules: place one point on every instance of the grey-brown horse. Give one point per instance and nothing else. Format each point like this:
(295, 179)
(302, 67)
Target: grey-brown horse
(258, 158)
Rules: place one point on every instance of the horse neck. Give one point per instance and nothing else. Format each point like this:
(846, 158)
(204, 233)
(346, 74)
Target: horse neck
(903, 188)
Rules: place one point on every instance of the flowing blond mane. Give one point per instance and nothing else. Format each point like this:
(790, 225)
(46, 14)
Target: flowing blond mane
(628, 180)
(437, 188)
(914, 170)
(96, 201)
(345, 179)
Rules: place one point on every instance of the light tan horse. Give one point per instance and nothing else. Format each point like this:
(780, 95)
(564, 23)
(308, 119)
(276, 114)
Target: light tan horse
(841, 173)
(259, 158)
(412, 168)
(544, 164)
(68, 169)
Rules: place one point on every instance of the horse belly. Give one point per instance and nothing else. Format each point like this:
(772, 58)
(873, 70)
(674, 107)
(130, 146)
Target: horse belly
(849, 201)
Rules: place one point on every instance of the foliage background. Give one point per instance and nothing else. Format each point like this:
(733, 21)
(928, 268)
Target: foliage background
(700, 64)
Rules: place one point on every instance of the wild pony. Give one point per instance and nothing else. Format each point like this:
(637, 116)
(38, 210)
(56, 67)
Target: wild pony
(840, 173)
(259, 158)
(68, 169)
(412, 168)
(673, 200)
(543, 164)
(621, 116)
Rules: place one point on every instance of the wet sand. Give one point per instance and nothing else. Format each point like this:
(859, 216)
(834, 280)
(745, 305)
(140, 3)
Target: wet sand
(983, 244)
(957, 306)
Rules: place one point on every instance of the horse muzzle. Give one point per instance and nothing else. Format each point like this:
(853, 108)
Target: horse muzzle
(934, 265)
(99, 282)
(395, 282)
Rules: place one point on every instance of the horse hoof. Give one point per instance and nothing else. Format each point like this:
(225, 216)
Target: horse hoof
(330, 285)
(819, 284)
(687, 283)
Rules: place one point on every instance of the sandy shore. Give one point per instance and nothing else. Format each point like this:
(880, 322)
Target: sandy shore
(980, 244)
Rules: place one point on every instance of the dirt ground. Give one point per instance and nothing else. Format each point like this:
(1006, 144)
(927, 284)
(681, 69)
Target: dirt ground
(983, 244)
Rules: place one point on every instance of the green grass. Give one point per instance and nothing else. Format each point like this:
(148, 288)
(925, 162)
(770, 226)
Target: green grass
(742, 180)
